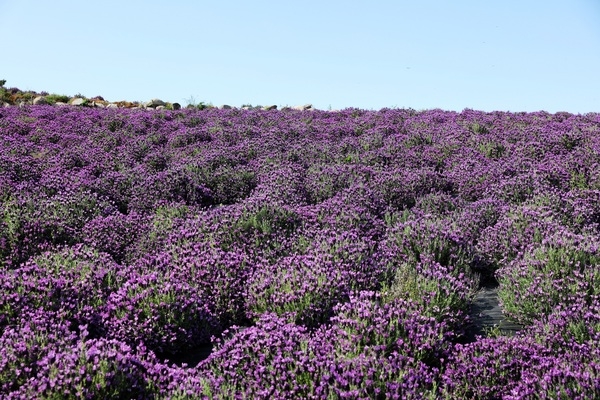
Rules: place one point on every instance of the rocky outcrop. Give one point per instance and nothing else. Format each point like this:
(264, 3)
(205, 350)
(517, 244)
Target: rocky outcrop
(40, 101)
(13, 96)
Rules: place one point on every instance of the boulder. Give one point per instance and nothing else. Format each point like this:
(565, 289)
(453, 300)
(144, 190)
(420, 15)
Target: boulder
(224, 107)
(78, 101)
(303, 108)
(125, 104)
(155, 103)
(6, 105)
(271, 107)
(176, 106)
(160, 108)
(112, 105)
(40, 101)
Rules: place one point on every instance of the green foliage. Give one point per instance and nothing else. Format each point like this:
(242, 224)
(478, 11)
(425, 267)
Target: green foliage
(194, 121)
(203, 106)
(436, 297)
(115, 124)
(84, 264)
(166, 219)
(26, 97)
(478, 128)
(285, 296)
(419, 139)
(493, 332)
(520, 228)
(561, 271)
(4, 95)
(14, 216)
(569, 141)
(71, 280)
(200, 105)
(55, 98)
(581, 331)
(492, 150)
(263, 228)
(267, 220)
(417, 242)
(578, 180)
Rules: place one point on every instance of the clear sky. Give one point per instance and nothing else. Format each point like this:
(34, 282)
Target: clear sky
(505, 55)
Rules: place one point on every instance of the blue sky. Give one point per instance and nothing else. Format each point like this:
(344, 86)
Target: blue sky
(506, 55)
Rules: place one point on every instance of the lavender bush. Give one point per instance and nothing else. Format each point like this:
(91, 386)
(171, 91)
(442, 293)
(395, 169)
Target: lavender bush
(320, 254)
(75, 281)
(562, 270)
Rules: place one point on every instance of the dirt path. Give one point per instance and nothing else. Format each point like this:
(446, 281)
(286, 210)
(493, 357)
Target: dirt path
(486, 314)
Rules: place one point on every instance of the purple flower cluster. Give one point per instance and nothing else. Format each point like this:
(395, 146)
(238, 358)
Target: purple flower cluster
(563, 270)
(318, 254)
(365, 352)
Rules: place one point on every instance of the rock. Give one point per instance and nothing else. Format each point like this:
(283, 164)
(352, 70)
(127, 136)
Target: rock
(97, 104)
(112, 105)
(78, 101)
(40, 101)
(155, 103)
(5, 105)
(176, 106)
(125, 104)
(60, 104)
(225, 107)
(303, 108)
(160, 108)
(271, 107)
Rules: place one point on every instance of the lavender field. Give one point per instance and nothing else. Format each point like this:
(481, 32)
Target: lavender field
(320, 255)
